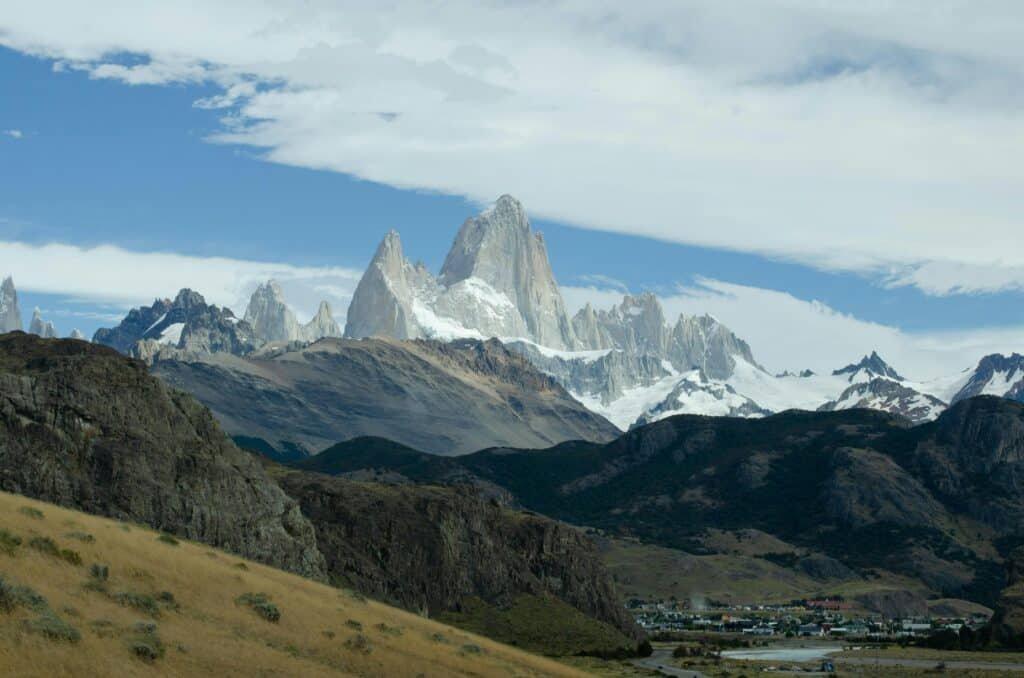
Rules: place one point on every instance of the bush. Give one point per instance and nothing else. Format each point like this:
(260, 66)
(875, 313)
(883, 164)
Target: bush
(82, 537)
(138, 601)
(13, 596)
(104, 628)
(44, 545)
(438, 638)
(389, 630)
(31, 512)
(144, 642)
(241, 566)
(353, 624)
(261, 605)
(52, 627)
(359, 643)
(644, 649)
(471, 649)
(9, 543)
(70, 556)
(168, 539)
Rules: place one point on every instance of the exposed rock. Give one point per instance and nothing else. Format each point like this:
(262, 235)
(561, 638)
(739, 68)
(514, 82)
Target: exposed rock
(429, 549)
(269, 315)
(382, 303)
(10, 314)
(889, 396)
(85, 427)
(715, 398)
(996, 375)
(449, 398)
(187, 323)
(40, 327)
(77, 334)
(870, 364)
(322, 325)
(894, 603)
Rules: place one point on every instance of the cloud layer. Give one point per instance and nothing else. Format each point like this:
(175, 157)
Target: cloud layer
(111, 276)
(876, 137)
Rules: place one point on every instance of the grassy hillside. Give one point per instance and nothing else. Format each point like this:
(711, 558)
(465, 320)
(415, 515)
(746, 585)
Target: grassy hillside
(82, 595)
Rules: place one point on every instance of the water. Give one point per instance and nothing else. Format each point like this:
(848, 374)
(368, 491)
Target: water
(785, 654)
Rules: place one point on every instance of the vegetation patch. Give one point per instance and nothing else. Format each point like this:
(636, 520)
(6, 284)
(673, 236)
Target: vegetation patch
(103, 628)
(388, 630)
(168, 539)
(83, 537)
(13, 596)
(52, 627)
(359, 643)
(137, 601)
(261, 605)
(49, 547)
(9, 543)
(31, 512)
(353, 624)
(469, 649)
(145, 643)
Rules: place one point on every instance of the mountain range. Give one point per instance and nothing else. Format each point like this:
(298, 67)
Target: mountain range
(628, 364)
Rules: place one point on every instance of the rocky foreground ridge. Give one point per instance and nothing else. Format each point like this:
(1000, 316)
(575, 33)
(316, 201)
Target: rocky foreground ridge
(85, 427)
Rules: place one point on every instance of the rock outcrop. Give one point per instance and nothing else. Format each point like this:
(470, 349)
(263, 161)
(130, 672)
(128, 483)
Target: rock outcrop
(40, 327)
(446, 398)
(888, 395)
(269, 315)
(428, 549)
(1007, 625)
(997, 375)
(321, 326)
(85, 427)
(77, 334)
(10, 314)
(186, 323)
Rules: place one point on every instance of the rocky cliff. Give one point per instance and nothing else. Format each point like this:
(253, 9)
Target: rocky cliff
(85, 427)
(430, 549)
(1007, 625)
(10, 314)
(269, 315)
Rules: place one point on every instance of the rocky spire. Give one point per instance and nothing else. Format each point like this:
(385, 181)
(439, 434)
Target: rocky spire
(382, 303)
(322, 325)
(870, 365)
(499, 248)
(10, 314)
(77, 334)
(269, 315)
(40, 327)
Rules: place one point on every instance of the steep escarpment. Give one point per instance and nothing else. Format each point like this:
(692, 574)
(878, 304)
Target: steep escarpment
(436, 550)
(87, 428)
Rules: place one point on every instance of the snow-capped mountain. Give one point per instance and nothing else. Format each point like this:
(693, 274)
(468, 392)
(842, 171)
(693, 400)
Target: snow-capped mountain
(495, 282)
(889, 395)
(269, 315)
(10, 315)
(41, 327)
(77, 334)
(869, 367)
(996, 374)
(186, 323)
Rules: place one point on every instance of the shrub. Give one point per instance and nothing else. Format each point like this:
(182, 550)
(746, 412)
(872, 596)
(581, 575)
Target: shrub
(9, 543)
(104, 628)
(13, 596)
(389, 630)
(44, 545)
(241, 566)
(168, 539)
(353, 624)
(471, 649)
(138, 601)
(52, 627)
(438, 638)
(359, 643)
(70, 556)
(31, 512)
(82, 537)
(144, 642)
(354, 595)
(261, 605)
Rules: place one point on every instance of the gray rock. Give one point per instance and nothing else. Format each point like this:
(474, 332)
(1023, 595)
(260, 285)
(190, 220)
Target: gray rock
(995, 369)
(269, 315)
(322, 325)
(85, 427)
(382, 303)
(77, 334)
(888, 396)
(10, 314)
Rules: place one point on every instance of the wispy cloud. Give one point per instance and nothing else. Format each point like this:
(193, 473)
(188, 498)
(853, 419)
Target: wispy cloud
(14, 133)
(881, 138)
(123, 278)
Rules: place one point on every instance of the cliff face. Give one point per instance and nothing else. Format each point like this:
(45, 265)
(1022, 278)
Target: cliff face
(85, 427)
(430, 548)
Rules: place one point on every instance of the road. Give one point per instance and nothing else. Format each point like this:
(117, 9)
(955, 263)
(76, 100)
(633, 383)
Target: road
(661, 661)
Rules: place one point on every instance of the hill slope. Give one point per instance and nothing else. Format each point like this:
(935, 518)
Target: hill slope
(165, 608)
(445, 399)
(940, 503)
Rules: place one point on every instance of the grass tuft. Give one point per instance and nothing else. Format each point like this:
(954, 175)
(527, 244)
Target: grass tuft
(83, 537)
(168, 539)
(137, 601)
(31, 512)
(261, 605)
(52, 627)
(14, 596)
(9, 543)
(359, 643)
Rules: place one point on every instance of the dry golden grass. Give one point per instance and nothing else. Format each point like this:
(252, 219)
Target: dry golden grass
(210, 633)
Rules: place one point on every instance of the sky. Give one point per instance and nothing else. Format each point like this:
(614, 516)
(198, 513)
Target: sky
(825, 178)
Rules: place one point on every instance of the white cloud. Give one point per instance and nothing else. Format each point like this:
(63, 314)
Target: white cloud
(14, 133)
(788, 333)
(876, 137)
(111, 275)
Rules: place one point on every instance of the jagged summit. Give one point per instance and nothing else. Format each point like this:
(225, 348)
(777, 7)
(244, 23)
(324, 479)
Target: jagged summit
(495, 282)
(871, 365)
(997, 375)
(40, 327)
(269, 315)
(10, 314)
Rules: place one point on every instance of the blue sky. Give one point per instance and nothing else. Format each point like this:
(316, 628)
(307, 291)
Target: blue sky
(140, 152)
